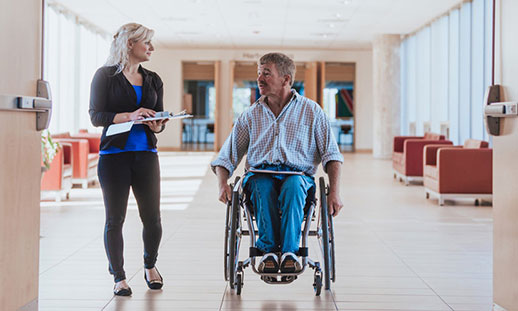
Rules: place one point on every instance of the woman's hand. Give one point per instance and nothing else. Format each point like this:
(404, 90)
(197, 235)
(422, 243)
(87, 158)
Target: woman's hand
(141, 113)
(156, 126)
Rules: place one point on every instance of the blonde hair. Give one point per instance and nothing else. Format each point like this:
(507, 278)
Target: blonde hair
(119, 51)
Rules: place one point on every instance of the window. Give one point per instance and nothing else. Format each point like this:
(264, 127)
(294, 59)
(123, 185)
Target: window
(445, 72)
(73, 52)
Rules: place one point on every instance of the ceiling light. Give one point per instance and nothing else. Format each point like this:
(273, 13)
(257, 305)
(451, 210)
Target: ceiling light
(346, 2)
(338, 15)
(331, 25)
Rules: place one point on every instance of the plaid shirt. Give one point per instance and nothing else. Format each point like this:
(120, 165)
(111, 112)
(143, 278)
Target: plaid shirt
(300, 138)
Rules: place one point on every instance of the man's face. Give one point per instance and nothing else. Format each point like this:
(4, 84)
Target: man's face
(269, 81)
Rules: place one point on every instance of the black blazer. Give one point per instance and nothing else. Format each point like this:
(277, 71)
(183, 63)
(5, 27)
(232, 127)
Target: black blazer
(112, 93)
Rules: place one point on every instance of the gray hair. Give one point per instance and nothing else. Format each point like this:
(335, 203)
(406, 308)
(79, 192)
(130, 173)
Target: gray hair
(119, 49)
(284, 64)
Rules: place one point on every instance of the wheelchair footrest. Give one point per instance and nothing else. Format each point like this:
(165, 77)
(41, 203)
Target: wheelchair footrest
(281, 280)
(255, 252)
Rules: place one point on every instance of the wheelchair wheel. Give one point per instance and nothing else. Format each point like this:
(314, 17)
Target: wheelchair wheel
(234, 238)
(227, 234)
(332, 249)
(324, 218)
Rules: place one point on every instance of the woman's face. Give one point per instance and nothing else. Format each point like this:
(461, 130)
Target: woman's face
(141, 50)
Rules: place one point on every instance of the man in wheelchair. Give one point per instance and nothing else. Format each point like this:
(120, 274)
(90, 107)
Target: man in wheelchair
(282, 131)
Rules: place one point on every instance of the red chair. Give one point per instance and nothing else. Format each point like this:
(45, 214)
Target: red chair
(86, 155)
(57, 180)
(407, 158)
(456, 172)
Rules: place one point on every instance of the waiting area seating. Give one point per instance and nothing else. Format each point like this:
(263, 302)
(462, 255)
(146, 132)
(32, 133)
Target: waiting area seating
(57, 180)
(407, 156)
(75, 164)
(454, 172)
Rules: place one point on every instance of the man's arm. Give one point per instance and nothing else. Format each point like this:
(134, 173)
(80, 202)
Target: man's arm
(333, 199)
(225, 192)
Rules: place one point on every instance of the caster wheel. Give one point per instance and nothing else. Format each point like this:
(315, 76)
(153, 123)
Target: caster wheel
(317, 285)
(239, 283)
(477, 202)
(427, 195)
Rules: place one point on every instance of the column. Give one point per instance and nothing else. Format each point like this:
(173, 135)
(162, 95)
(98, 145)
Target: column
(386, 90)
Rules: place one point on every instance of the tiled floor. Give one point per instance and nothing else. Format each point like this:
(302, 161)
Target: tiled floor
(395, 250)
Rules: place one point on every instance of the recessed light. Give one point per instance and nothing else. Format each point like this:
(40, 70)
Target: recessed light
(346, 2)
(331, 25)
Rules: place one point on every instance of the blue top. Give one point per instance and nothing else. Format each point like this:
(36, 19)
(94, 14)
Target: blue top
(137, 140)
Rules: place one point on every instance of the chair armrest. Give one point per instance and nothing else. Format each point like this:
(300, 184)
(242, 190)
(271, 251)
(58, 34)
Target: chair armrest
(413, 154)
(79, 156)
(52, 179)
(466, 168)
(430, 153)
(94, 140)
(400, 140)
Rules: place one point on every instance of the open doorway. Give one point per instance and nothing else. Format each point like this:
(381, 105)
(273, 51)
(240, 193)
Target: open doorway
(199, 99)
(338, 101)
(245, 91)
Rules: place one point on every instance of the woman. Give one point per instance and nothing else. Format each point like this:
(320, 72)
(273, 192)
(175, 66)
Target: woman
(123, 91)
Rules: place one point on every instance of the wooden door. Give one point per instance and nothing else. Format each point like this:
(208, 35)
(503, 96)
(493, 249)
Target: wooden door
(20, 158)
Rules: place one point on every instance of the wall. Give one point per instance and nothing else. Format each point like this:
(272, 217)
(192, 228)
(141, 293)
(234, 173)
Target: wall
(168, 64)
(505, 167)
(20, 61)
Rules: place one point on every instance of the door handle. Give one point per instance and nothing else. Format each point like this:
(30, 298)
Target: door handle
(42, 104)
(494, 110)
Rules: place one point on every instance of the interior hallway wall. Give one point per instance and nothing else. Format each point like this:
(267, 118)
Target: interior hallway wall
(505, 166)
(168, 64)
(20, 63)
(386, 89)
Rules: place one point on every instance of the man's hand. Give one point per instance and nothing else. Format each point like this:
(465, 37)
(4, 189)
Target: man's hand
(225, 193)
(334, 204)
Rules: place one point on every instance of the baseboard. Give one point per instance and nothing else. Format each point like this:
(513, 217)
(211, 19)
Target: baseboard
(363, 150)
(169, 149)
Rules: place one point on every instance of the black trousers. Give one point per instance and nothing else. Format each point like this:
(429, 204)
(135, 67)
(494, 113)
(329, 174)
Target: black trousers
(117, 173)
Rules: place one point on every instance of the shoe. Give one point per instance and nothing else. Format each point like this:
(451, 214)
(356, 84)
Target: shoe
(269, 263)
(290, 263)
(154, 284)
(122, 291)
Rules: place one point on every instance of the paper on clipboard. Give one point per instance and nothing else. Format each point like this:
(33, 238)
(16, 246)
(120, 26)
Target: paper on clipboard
(119, 128)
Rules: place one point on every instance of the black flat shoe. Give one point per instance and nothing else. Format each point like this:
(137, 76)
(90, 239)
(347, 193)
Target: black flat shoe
(122, 291)
(154, 284)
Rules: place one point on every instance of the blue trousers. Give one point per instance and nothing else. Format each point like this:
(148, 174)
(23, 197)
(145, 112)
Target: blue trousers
(278, 202)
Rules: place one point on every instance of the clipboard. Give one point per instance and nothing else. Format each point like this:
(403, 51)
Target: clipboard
(119, 128)
(253, 170)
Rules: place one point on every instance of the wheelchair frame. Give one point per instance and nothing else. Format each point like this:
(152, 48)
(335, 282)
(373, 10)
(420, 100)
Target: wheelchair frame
(234, 231)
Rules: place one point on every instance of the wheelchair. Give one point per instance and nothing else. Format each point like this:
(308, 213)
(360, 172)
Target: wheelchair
(240, 211)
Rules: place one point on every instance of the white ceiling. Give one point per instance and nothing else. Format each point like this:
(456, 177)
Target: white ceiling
(315, 24)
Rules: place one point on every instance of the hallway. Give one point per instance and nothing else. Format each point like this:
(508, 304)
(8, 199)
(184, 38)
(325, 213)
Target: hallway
(395, 249)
